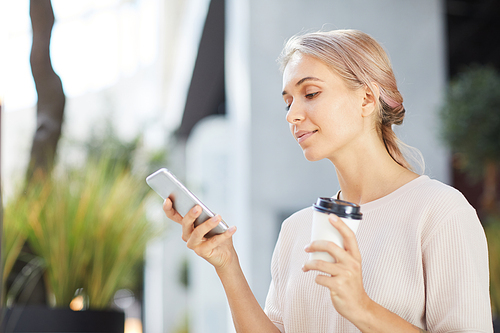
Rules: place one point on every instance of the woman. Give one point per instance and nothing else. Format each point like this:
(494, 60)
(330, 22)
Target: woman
(419, 259)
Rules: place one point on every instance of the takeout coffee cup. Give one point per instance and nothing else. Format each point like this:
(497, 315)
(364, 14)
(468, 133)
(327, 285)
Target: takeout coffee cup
(322, 229)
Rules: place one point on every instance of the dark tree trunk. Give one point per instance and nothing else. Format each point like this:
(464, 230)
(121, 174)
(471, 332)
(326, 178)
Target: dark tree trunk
(49, 114)
(51, 99)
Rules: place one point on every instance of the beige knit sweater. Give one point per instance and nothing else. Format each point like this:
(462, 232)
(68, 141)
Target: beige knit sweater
(424, 258)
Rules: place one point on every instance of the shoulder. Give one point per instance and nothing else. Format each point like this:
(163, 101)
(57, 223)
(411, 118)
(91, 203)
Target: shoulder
(298, 223)
(438, 188)
(427, 193)
(298, 217)
(425, 205)
(296, 227)
(439, 197)
(445, 210)
(421, 197)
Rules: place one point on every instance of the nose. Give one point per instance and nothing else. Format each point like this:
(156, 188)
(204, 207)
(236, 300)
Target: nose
(294, 114)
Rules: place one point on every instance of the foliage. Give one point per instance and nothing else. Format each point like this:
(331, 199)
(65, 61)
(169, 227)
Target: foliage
(14, 235)
(492, 230)
(471, 117)
(91, 230)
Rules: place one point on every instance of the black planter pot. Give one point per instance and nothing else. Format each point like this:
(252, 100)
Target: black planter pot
(44, 319)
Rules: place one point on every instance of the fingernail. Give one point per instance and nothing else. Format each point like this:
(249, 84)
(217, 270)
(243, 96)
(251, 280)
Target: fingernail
(195, 209)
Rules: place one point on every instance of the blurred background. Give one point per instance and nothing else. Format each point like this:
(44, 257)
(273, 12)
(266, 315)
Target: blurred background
(115, 89)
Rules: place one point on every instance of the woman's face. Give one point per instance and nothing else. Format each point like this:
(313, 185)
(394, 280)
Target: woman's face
(327, 118)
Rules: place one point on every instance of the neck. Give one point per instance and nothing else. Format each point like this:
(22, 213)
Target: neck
(370, 174)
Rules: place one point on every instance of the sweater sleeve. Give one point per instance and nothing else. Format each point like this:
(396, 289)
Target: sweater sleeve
(455, 259)
(273, 307)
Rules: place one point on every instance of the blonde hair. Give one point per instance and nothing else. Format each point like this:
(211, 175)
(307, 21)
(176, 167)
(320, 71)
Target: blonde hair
(360, 61)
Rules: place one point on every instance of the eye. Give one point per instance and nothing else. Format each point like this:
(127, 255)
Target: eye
(288, 102)
(312, 95)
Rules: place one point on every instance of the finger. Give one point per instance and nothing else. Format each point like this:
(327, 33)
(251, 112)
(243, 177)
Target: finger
(202, 229)
(325, 281)
(215, 241)
(322, 266)
(188, 222)
(170, 211)
(326, 246)
(349, 237)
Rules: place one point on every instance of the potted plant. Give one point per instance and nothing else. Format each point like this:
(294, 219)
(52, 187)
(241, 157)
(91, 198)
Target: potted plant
(88, 228)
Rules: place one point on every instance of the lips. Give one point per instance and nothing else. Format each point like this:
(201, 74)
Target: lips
(301, 136)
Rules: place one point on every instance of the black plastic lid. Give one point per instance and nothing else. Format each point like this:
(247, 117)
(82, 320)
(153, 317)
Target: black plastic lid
(340, 208)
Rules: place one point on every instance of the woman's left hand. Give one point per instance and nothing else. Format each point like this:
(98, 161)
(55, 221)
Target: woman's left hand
(344, 277)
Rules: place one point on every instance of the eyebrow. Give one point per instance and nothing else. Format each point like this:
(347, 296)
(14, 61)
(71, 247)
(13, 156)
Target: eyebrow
(307, 78)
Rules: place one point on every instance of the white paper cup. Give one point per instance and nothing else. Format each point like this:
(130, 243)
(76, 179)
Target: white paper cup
(322, 229)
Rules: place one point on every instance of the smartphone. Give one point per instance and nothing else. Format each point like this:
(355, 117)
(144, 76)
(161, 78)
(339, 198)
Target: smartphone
(167, 185)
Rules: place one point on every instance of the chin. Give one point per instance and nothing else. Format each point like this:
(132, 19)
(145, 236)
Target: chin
(311, 157)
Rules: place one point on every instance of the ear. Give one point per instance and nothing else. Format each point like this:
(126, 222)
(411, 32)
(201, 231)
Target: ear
(370, 99)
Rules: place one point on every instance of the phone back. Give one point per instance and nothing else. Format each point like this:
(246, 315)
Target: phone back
(167, 186)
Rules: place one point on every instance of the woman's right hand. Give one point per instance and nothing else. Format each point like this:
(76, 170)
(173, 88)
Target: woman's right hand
(217, 250)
